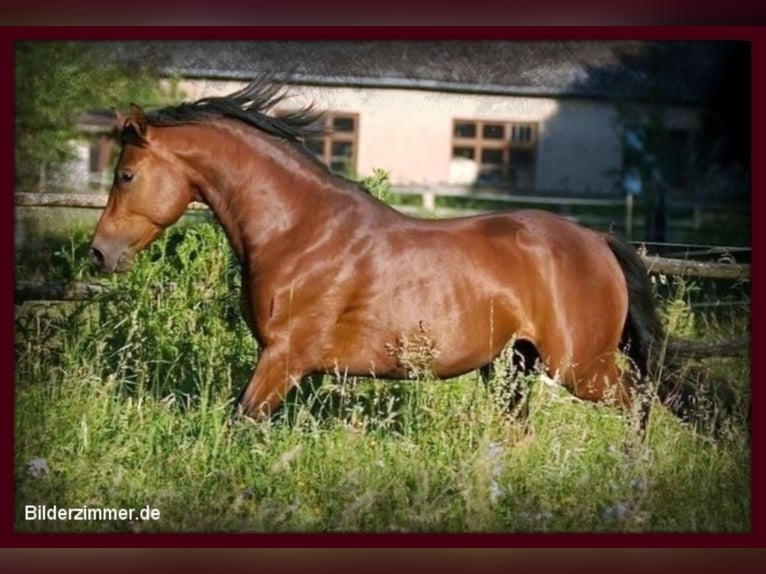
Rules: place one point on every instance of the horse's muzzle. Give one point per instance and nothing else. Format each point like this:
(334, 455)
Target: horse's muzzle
(106, 260)
(96, 256)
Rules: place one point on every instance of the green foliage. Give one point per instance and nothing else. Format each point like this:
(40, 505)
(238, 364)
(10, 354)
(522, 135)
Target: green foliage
(55, 83)
(153, 327)
(379, 185)
(678, 313)
(125, 402)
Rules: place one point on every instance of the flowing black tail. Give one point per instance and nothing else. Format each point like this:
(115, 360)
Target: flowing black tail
(681, 387)
(643, 336)
(644, 339)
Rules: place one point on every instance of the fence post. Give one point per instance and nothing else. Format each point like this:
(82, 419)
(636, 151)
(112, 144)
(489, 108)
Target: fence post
(628, 215)
(429, 200)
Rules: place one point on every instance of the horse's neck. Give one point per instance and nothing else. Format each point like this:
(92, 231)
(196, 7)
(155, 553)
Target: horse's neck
(266, 194)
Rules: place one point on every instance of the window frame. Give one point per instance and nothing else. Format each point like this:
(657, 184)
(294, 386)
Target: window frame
(479, 143)
(332, 136)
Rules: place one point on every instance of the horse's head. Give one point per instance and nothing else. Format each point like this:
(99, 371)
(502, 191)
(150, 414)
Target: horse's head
(151, 190)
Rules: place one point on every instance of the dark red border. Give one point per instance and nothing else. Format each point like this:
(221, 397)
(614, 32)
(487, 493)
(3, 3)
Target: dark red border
(9, 538)
(385, 561)
(414, 33)
(391, 12)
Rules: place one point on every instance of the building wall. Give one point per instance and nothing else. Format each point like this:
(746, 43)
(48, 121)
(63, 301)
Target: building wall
(579, 145)
(409, 132)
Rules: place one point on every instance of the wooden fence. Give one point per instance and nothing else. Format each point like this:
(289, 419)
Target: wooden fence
(31, 291)
(427, 195)
(704, 269)
(427, 202)
(89, 200)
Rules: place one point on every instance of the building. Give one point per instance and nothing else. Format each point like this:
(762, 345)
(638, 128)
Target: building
(549, 118)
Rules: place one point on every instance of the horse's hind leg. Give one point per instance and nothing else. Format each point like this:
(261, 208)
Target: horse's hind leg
(524, 359)
(619, 385)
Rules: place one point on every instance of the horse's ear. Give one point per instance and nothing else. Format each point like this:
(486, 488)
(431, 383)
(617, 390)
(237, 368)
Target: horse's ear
(136, 120)
(118, 119)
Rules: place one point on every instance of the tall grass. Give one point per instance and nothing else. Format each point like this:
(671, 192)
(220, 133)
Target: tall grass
(125, 402)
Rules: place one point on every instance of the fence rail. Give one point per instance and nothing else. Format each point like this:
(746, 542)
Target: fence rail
(428, 203)
(94, 200)
(428, 196)
(40, 291)
(60, 291)
(706, 270)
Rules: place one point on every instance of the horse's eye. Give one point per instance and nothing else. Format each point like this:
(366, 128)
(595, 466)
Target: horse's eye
(125, 176)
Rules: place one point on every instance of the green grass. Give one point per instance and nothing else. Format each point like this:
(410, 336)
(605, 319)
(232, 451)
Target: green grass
(126, 401)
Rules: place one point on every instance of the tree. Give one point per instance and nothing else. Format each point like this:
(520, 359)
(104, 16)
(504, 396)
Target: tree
(55, 83)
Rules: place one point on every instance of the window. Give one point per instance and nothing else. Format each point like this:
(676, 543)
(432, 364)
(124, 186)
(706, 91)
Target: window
(100, 156)
(96, 145)
(337, 148)
(505, 152)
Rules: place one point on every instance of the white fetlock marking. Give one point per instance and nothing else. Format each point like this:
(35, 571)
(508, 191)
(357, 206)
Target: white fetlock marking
(548, 380)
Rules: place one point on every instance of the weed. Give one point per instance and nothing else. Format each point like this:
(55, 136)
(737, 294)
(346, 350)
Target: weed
(125, 401)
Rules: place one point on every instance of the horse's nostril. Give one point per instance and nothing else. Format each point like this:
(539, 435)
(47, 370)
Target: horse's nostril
(96, 256)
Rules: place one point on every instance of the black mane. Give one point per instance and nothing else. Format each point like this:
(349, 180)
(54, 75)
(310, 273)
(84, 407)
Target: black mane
(249, 105)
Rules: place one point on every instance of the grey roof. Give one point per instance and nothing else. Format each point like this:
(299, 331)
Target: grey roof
(683, 71)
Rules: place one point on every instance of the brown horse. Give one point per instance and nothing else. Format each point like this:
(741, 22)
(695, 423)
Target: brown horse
(336, 280)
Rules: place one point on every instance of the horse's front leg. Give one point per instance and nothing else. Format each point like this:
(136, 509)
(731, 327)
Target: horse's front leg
(272, 379)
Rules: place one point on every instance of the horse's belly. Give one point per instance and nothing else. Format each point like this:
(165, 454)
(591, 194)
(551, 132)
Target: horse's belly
(414, 320)
(417, 349)
(401, 363)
